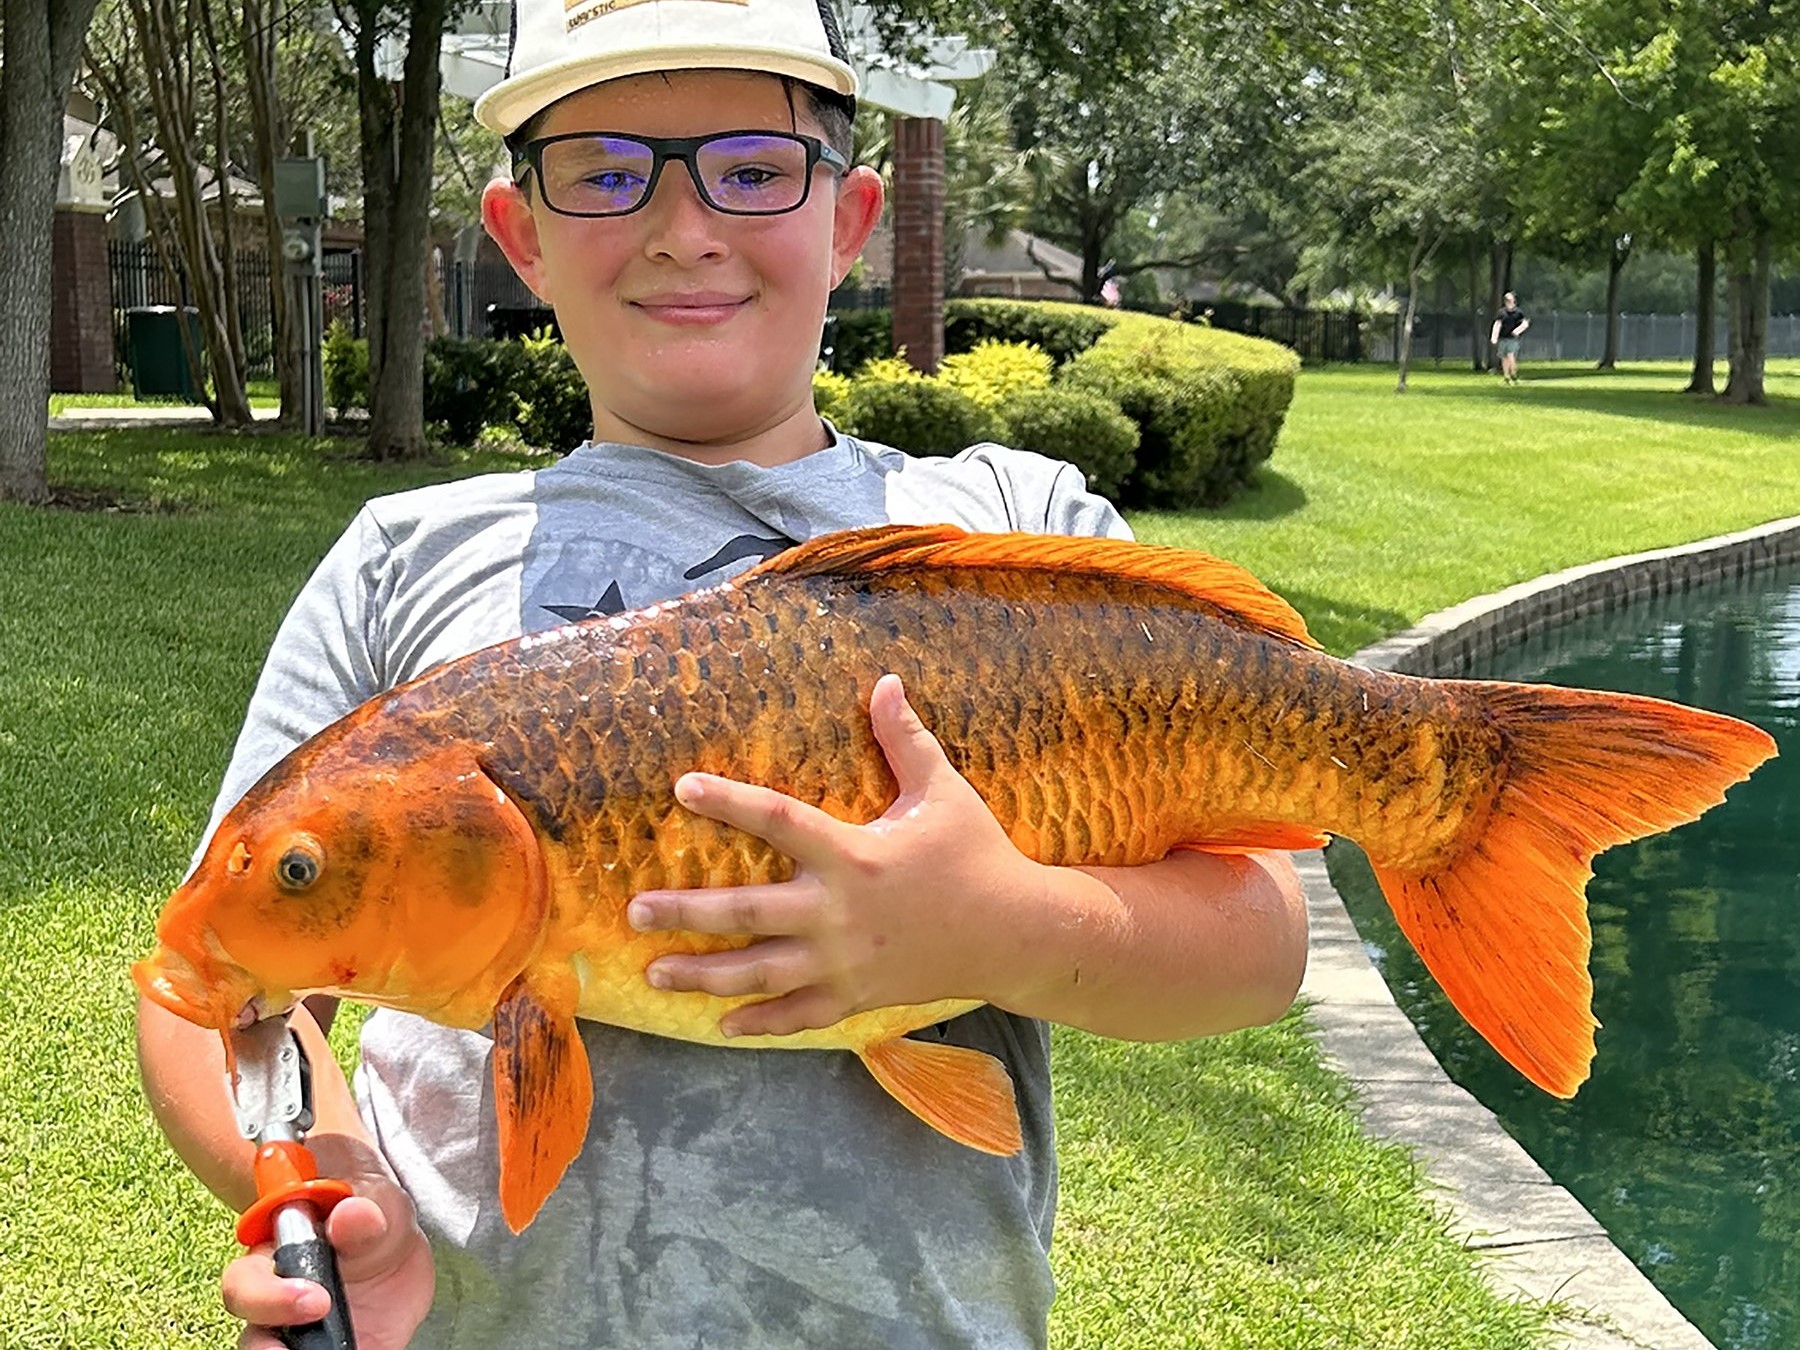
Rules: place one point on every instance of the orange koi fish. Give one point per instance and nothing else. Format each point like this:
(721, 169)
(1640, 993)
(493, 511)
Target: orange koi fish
(463, 847)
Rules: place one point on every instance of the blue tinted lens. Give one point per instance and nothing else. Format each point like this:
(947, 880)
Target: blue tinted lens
(753, 173)
(596, 175)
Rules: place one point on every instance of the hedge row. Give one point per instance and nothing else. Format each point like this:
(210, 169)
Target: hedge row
(530, 387)
(1155, 412)
(1207, 405)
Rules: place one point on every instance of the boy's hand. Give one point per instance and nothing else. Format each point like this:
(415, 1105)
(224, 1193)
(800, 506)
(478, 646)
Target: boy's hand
(383, 1259)
(895, 911)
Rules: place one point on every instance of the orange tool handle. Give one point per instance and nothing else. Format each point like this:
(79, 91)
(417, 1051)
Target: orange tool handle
(286, 1172)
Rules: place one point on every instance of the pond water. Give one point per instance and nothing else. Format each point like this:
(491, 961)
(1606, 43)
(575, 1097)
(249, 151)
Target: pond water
(1685, 1143)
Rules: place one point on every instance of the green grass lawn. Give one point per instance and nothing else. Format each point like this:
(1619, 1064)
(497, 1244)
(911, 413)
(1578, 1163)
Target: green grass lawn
(1378, 508)
(1215, 1194)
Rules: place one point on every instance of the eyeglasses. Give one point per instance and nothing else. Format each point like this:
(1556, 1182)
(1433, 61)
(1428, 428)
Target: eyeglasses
(739, 173)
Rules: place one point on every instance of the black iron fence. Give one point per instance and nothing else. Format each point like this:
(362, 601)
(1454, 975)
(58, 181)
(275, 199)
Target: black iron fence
(474, 299)
(139, 280)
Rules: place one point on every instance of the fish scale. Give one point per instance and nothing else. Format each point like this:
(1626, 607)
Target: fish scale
(471, 840)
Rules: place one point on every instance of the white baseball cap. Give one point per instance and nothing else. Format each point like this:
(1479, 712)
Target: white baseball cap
(560, 46)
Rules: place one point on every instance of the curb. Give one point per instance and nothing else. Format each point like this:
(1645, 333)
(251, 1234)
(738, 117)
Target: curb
(1540, 1241)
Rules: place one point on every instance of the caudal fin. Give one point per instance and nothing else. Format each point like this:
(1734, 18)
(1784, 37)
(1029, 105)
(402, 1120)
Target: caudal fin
(1503, 928)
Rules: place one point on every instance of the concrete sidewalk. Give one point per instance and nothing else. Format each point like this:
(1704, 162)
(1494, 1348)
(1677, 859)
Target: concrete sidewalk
(144, 415)
(1539, 1240)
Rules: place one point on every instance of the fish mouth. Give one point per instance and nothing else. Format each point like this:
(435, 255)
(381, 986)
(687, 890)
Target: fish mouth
(212, 998)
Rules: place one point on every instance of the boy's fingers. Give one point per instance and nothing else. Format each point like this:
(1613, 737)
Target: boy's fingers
(252, 1292)
(792, 826)
(777, 966)
(776, 910)
(803, 1010)
(913, 753)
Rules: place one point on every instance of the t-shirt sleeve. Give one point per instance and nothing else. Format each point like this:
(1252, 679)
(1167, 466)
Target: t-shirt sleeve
(324, 661)
(1073, 510)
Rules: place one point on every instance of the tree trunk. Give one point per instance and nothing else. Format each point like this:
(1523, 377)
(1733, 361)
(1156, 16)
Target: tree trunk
(164, 62)
(1615, 264)
(1478, 325)
(269, 126)
(230, 291)
(41, 41)
(1748, 288)
(1706, 269)
(1412, 309)
(397, 249)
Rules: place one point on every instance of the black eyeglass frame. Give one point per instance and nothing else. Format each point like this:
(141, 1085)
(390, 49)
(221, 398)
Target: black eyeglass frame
(530, 157)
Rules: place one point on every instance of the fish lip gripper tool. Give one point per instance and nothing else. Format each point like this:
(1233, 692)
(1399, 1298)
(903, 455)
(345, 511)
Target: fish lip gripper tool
(271, 1092)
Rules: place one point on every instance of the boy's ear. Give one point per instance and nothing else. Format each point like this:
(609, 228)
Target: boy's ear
(859, 201)
(506, 213)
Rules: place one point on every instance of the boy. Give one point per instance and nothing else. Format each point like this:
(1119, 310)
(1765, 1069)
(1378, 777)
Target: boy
(682, 195)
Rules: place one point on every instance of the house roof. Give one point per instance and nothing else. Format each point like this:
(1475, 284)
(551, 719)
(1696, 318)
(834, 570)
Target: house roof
(1014, 256)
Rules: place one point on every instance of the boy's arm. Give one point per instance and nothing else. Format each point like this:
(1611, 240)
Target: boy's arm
(933, 901)
(183, 1070)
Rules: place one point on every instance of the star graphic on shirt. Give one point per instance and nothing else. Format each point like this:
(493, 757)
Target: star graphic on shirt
(613, 602)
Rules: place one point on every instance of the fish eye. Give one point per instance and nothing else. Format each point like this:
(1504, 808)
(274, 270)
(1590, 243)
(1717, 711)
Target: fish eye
(298, 869)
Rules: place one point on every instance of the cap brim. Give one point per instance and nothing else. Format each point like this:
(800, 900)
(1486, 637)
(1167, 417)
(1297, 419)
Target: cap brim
(511, 103)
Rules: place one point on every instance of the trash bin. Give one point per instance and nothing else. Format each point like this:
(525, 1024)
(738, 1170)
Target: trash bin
(159, 366)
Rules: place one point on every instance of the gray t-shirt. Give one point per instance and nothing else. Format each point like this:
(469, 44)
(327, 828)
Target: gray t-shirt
(728, 1198)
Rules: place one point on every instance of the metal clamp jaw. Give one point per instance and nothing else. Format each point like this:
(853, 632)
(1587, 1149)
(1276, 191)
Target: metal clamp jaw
(272, 1096)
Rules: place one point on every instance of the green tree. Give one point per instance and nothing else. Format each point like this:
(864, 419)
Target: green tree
(398, 122)
(40, 42)
(161, 64)
(1722, 167)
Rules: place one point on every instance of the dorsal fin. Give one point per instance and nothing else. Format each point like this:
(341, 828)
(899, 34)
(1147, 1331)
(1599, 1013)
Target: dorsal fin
(1215, 583)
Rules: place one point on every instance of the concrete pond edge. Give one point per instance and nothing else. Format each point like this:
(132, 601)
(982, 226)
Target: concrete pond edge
(1537, 1240)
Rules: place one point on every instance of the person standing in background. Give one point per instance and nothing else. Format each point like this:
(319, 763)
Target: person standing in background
(1509, 327)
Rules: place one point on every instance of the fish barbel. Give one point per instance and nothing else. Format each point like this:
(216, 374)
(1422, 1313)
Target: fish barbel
(464, 846)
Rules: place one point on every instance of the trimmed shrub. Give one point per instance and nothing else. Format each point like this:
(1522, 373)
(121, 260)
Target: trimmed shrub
(346, 369)
(1208, 404)
(831, 396)
(529, 386)
(920, 416)
(994, 371)
(1062, 330)
(1071, 424)
(553, 409)
(472, 384)
(862, 335)
(890, 369)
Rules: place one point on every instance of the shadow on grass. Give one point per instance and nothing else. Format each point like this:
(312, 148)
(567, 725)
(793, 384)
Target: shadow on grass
(260, 470)
(1270, 497)
(1590, 392)
(1780, 417)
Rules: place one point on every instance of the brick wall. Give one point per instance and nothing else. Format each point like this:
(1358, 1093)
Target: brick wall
(918, 287)
(81, 322)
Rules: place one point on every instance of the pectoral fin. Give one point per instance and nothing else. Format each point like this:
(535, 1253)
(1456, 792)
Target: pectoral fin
(1273, 837)
(543, 1091)
(959, 1092)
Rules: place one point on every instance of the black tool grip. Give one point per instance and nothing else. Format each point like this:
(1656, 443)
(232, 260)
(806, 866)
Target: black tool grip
(314, 1260)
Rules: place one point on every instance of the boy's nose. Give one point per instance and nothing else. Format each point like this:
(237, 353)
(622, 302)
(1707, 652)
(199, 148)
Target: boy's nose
(679, 223)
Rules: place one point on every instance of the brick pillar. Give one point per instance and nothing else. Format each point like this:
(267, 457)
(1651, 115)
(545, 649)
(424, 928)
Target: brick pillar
(919, 240)
(81, 319)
